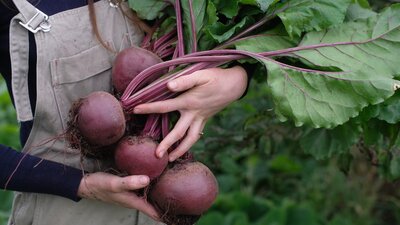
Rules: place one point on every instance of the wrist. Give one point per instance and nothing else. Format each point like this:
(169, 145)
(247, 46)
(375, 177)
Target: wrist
(83, 189)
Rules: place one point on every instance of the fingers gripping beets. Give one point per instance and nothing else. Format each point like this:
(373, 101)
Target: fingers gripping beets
(117, 190)
(205, 93)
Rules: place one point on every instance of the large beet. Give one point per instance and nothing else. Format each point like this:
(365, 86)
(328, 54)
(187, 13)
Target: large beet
(98, 119)
(137, 156)
(185, 191)
(129, 63)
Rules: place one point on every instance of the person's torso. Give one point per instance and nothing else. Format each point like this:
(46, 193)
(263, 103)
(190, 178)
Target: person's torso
(71, 63)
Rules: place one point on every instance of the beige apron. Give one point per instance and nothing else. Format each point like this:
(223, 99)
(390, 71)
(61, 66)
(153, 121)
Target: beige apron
(70, 64)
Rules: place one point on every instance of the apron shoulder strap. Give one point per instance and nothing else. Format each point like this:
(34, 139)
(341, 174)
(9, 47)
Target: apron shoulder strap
(32, 18)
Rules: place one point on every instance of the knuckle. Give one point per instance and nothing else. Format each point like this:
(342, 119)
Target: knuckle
(113, 185)
(193, 103)
(134, 183)
(180, 135)
(181, 81)
(166, 108)
(192, 138)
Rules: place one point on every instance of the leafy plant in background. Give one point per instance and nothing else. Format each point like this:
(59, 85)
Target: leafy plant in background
(266, 178)
(8, 124)
(9, 137)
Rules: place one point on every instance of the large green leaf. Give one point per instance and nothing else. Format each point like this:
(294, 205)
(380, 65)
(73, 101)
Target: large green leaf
(356, 12)
(276, 39)
(387, 111)
(228, 8)
(149, 9)
(362, 3)
(308, 15)
(222, 32)
(262, 4)
(372, 45)
(366, 55)
(323, 99)
(199, 11)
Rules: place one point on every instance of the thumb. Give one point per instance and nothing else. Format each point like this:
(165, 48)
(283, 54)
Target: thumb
(186, 82)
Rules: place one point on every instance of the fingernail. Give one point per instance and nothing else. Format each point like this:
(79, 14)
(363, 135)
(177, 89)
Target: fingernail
(171, 158)
(144, 179)
(137, 110)
(172, 84)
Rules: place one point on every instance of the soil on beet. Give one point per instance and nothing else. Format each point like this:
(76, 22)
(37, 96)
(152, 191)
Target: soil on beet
(180, 219)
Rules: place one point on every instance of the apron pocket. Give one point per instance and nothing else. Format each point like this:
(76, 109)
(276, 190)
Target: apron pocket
(76, 76)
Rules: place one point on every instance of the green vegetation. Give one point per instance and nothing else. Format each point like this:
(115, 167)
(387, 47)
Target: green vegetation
(8, 136)
(266, 177)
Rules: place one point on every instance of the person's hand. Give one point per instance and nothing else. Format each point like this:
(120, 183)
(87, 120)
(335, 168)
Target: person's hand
(206, 93)
(117, 190)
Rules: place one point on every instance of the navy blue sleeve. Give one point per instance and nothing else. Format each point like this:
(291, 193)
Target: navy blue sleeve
(26, 173)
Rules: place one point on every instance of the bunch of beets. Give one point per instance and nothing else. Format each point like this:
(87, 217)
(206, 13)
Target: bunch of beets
(102, 125)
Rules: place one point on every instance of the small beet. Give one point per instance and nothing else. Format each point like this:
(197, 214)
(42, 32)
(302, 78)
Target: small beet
(129, 63)
(137, 156)
(96, 122)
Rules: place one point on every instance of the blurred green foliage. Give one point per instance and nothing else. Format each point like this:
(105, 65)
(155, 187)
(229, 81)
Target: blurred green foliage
(266, 177)
(9, 135)
(8, 124)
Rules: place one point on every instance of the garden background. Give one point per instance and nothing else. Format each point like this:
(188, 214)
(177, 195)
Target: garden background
(272, 173)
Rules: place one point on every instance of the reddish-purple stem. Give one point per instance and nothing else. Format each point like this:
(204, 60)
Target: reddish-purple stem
(166, 52)
(174, 56)
(179, 26)
(207, 57)
(152, 128)
(146, 43)
(159, 88)
(164, 125)
(166, 45)
(149, 73)
(164, 39)
(218, 56)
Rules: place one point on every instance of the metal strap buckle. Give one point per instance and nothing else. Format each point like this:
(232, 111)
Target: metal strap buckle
(114, 3)
(43, 25)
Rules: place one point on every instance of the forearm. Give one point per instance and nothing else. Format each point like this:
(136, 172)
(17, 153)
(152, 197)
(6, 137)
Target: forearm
(26, 173)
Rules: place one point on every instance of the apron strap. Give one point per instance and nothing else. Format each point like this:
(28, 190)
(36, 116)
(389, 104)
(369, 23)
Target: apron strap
(32, 18)
(29, 19)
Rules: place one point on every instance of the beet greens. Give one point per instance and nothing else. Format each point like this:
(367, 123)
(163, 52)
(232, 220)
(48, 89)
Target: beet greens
(322, 68)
